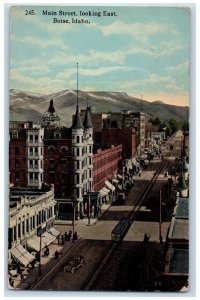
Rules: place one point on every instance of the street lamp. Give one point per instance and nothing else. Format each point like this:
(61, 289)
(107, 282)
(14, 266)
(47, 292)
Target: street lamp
(40, 257)
(74, 216)
(160, 220)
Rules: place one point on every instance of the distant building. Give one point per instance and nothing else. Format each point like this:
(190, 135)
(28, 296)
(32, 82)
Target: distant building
(124, 136)
(121, 120)
(153, 135)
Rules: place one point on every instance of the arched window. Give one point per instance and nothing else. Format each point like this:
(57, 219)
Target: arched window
(64, 150)
(57, 135)
(51, 149)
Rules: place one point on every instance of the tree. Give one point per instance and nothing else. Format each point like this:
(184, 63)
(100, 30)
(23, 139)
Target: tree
(164, 126)
(174, 125)
(156, 121)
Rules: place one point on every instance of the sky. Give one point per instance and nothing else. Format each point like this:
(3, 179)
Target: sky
(142, 51)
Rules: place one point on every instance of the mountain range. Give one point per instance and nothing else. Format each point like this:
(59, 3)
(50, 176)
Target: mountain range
(28, 106)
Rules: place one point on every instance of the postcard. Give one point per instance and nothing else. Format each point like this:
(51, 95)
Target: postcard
(99, 148)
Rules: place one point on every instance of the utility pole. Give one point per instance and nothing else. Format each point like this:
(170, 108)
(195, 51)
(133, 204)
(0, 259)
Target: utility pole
(88, 208)
(73, 223)
(160, 221)
(40, 263)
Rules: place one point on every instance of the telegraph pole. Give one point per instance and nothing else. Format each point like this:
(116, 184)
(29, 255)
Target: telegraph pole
(160, 221)
(40, 263)
(88, 208)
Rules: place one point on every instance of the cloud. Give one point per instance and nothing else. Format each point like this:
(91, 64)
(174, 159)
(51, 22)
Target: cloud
(40, 85)
(93, 56)
(139, 31)
(41, 43)
(179, 69)
(95, 72)
(34, 69)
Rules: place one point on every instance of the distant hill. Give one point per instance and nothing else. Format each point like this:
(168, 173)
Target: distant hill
(27, 106)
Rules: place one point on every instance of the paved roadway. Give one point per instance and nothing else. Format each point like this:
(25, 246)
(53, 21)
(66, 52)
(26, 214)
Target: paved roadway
(96, 240)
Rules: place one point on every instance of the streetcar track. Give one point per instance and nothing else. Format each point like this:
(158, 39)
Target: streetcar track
(100, 265)
(99, 268)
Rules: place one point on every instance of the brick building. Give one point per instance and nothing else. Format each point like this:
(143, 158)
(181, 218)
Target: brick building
(106, 164)
(120, 120)
(48, 153)
(124, 136)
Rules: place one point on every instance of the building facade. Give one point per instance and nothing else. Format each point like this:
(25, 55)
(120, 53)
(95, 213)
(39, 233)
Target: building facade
(31, 213)
(106, 164)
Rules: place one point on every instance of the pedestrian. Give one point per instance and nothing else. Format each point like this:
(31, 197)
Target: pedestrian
(22, 277)
(66, 237)
(62, 239)
(56, 254)
(46, 252)
(18, 269)
(161, 239)
(69, 235)
(75, 235)
(12, 283)
(146, 238)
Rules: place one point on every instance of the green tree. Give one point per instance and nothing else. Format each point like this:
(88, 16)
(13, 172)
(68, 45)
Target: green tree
(156, 121)
(174, 125)
(164, 126)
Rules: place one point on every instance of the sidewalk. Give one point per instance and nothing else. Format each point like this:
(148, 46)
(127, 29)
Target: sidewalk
(31, 275)
(84, 221)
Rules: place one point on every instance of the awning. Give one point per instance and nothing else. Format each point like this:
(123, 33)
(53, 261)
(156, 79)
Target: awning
(120, 187)
(109, 185)
(115, 180)
(34, 243)
(22, 255)
(104, 191)
(120, 176)
(54, 231)
(48, 238)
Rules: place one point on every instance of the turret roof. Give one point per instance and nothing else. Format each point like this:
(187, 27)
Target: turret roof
(77, 123)
(87, 123)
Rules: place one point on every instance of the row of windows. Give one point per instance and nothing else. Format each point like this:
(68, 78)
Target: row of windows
(34, 164)
(64, 164)
(35, 177)
(52, 150)
(64, 178)
(81, 151)
(79, 165)
(31, 223)
(33, 138)
(35, 151)
(78, 178)
(104, 174)
(107, 161)
(79, 139)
